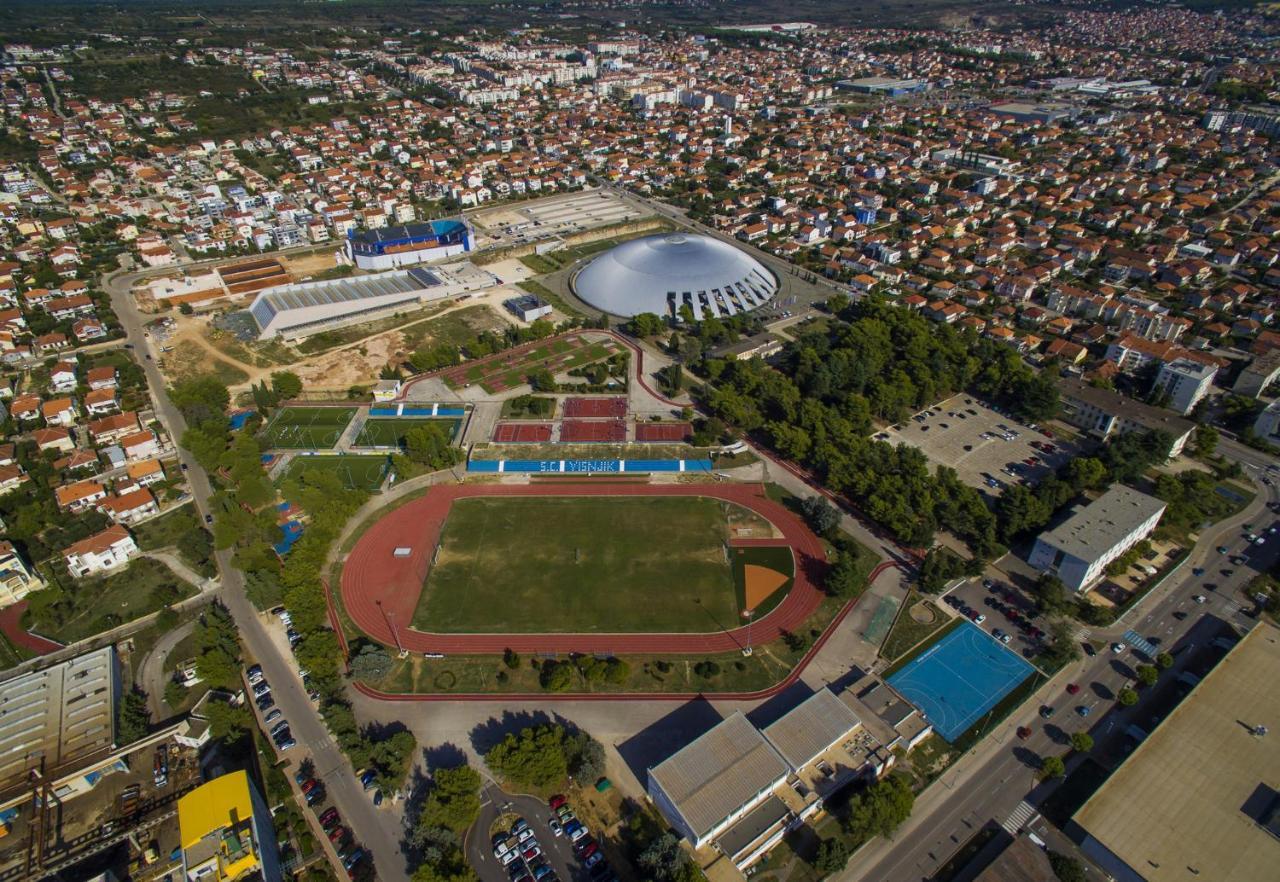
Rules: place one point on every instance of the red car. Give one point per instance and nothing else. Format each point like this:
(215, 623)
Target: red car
(556, 801)
(1024, 732)
(1073, 688)
(337, 833)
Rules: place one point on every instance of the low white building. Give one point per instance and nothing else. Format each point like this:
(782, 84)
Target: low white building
(1079, 549)
(1186, 382)
(101, 552)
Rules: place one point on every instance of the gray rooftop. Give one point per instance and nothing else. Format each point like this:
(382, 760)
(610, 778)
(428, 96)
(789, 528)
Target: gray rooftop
(804, 733)
(1116, 404)
(718, 773)
(1094, 528)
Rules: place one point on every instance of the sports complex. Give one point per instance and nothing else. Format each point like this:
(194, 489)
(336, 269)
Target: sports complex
(592, 567)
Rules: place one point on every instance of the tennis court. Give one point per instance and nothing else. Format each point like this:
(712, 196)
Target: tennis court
(595, 407)
(592, 431)
(390, 432)
(522, 433)
(959, 678)
(660, 433)
(308, 428)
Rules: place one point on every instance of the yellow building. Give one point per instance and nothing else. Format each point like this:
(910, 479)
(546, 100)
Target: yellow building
(226, 831)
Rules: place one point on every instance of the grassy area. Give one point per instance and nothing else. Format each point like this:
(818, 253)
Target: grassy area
(326, 340)
(71, 610)
(907, 632)
(356, 472)
(456, 328)
(180, 528)
(540, 264)
(11, 654)
(597, 567)
(312, 428)
(190, 359)
(528, 407)
(918, 648)
(269, 353)
(390, 432)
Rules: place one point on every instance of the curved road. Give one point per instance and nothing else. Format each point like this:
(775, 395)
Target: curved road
(153, 672)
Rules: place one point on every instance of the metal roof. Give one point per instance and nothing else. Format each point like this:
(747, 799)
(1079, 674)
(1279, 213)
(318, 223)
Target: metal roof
(1095, 528)
(805, 732)
(660, 273)
(719, 773)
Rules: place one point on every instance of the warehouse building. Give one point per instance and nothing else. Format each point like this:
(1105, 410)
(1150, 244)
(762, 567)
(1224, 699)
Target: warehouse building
(891, 86)
(1200, 796)
(1078, 550)
(393, 247)
(293, 311)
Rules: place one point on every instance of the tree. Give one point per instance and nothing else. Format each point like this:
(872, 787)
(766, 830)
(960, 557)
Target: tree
(1127, 697)
(428, 444)
(1164, 661)
(454, 800)
(542, 380)
(1086, 472)
(371, 663)
(511, 658)
(534, 757)
(646, 324)
(133, 720)
(1204, 442)
(1052, 767)
(663, 859)
(821, 515)
(556, 676)
(218, 642)
(1148, 675)
(832, 856)
(286, 385)
(1067, 868)
(881, 808)
(844, 577)
(1081, 742)
(174, 693)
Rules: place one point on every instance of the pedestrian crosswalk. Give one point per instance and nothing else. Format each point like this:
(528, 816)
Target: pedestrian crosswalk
(1140, 643)
(1082, 634)
(1021, 816)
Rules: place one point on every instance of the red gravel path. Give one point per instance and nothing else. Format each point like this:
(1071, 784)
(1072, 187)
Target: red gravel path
(379, 588)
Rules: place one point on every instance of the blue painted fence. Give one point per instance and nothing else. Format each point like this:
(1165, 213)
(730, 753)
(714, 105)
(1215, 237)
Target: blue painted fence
(594, 466)
(401, 410)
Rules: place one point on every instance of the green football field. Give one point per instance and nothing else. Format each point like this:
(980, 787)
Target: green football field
(585, 565)
(356, 472)
(390, 432)
(308, 428)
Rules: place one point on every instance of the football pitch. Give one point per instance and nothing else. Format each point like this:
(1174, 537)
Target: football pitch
(355, 472)
(600, 565)
(308, 428)
(390, 432)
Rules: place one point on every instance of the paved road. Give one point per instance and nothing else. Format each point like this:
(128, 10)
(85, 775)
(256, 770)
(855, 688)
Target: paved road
(479, 847)
(153, 673)
(990, 782)
(377, 829)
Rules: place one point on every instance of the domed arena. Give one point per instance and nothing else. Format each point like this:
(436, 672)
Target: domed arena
(662, 273)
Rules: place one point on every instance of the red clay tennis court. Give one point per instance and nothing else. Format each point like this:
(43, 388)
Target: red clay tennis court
(522, 433)
(588, 431)
(663, 432)
(598, 408)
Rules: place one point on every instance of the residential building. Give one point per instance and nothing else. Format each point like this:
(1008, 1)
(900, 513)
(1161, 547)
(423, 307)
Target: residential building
(1198, 797)
(100, 552)
(17, 580)
(130, 508)
(1079, 549)
(226, 832)
(1186, 383)
(112, 428)
(140, 445)
(1258, 374)
(1105, 412)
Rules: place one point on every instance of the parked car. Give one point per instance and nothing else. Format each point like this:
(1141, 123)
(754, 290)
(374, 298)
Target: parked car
(556, 829)
(555, 802)
(1118, 648)
(1073, 688)
(272, 717)
(1083, 710)
(1024, 732)
(330, 818)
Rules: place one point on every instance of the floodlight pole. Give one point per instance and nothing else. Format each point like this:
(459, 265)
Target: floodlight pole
(747, 652)
(395, 635)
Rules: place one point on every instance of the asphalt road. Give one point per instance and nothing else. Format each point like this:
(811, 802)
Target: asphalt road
(375, 828)
(154, 674)
(991, 782)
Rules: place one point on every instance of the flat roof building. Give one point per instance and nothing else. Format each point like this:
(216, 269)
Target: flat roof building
(1040, 111)
(58, 717)
(391, 247)
(1105, 412)
(226, 833)
(1200, 796)
(892, 86)
(1186, 383)
(1079, 549)
(293, 311)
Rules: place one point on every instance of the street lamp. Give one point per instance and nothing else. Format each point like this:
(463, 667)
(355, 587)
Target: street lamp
(747, 651)
(391, 622)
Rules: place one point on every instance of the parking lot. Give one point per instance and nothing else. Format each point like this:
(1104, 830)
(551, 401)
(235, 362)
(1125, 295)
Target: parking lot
(557, 216)
(988, 449)
(531, 840)
(1001, 610)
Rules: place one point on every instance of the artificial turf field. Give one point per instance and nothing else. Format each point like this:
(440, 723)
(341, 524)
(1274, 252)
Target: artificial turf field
(581, 565)
(390, 432)
(308, 428)
(356, 472)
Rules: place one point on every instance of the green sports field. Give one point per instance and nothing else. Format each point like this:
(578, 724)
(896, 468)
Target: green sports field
(581, 565)
(356, 472)
(308, 428)
(390, 432)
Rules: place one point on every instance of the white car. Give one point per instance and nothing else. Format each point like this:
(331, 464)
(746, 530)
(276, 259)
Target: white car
(1199, 598)
(1118, 648)
(526, 834)
(509, 856)
(578, 833)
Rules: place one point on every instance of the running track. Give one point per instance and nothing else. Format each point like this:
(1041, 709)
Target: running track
(379, 588)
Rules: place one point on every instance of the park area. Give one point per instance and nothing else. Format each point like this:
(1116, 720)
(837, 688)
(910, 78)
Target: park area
(509, 369)
(390, 432)
(355, 472)
(599, 565)
(308, 428)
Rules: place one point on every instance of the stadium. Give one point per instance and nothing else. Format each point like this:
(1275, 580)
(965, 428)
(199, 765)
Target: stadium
(392, 247)
(663, 273)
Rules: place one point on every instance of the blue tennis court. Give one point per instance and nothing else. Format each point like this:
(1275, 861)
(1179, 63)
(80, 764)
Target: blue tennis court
(961, 677)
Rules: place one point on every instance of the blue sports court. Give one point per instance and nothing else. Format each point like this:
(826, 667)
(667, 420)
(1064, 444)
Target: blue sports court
(961, 677)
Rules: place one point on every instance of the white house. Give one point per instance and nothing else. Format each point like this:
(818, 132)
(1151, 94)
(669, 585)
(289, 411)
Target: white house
(101, 552)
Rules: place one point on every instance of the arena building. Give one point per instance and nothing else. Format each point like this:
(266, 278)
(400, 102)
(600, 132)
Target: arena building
(392, 247)
(662, 273)
(293, 311)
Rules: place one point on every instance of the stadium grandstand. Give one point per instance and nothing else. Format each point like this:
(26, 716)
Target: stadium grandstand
(393, 247)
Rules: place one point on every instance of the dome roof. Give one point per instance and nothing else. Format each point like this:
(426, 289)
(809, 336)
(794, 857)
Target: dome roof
(659, 273)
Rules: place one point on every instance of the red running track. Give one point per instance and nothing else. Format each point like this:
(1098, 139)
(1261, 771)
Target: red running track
(379, 588)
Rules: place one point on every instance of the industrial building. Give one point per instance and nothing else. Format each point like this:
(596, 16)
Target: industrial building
(528, 308)
(1104, 413)
(1186, 383)
(294, 311)
(392, 247)
(891, 86)
(737, 790)
(1078, 550)
(1199, 798)
(227, 833)
(56, 718)
(1041, 111)
(661, 274)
